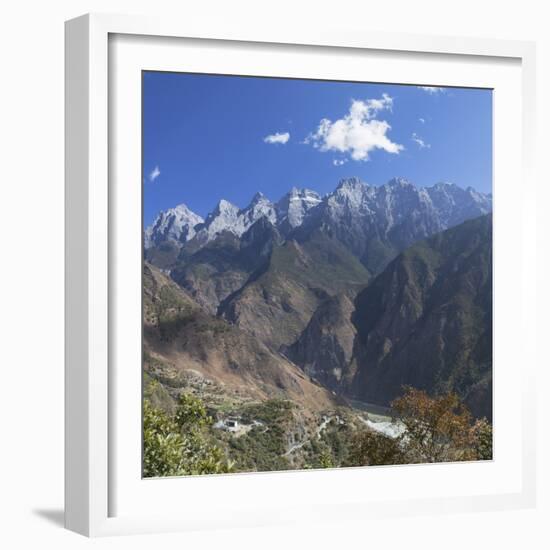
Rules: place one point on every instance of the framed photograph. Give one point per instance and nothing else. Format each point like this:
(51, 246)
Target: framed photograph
(297, 275)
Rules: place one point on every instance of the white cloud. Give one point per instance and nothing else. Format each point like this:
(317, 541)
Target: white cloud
(419, 141)
(358, 132)
(339, 162)
(422, 120)
(432, 90)
(277, 138)
(155, 173)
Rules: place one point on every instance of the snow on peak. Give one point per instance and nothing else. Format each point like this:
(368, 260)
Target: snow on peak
(352, 194)
(350, 183)
(353, 201)
(227, 217)
(293, 207)
(259, 197)
(175, 224)
(224, 206)
(259, 207)
(223, 218)
(399, 182)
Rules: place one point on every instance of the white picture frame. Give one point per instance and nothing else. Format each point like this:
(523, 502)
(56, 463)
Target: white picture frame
(94, 471)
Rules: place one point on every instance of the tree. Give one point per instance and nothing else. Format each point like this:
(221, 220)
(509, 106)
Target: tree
(325, 459)
(483, 433)
(437, 429)
(162, 444)
(191, 413)
(178, 445)
(369, 448)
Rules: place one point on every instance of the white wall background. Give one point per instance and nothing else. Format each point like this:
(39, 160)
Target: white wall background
(31, 252)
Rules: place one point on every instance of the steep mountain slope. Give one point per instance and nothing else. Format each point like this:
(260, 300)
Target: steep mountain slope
(290, 277)
(181, 339)
(455, 205)
(278, 301)
(224, 265)
(324, 350)
(376, 223)
(426, 320)
(391, 216)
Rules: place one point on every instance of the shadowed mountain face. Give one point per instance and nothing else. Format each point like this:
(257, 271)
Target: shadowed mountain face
(364, 290)
(276, 305)
(325, 348)
(223, 266)
(426, 320)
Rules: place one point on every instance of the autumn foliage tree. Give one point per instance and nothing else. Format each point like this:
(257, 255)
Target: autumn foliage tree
(369, 448)
(437, 429)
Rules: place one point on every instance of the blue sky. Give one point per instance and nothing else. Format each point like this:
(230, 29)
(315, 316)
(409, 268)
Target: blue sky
(208, 137)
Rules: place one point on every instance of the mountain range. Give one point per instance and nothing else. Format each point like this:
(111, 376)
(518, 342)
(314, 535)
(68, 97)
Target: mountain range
(388, 210)
(362, 290)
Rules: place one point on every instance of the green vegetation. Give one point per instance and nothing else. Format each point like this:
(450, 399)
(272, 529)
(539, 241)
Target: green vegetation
(369, 448)
(179, 445)
(263, 447)
(436, 429)
(483, 438)
(273, 436)
(157, 395)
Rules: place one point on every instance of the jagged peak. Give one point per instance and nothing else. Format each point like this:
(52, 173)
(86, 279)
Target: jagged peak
(299, 204)
(258, 197)
(174, 224)
(399, 182)
(350, 183)
(445, 185)
(224, 206)
(302, 192)
(181, 210)
(259, 202)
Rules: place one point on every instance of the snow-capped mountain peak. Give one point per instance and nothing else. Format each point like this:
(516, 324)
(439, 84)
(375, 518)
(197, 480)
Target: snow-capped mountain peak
(224, 217)
(258, 197)
(352, 195)
(175, 224)
(260, 206)
(352, 206)
(399, 182)
(294, 206)
(222, 207)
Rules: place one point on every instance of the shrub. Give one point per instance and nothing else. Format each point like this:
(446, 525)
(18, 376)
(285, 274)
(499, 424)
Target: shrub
(438, 429)
(369, 448)
(175, 446)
